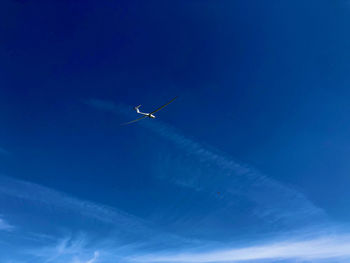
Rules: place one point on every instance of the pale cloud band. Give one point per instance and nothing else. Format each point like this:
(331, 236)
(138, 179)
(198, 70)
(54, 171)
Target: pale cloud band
(311, 250)
(80, 251)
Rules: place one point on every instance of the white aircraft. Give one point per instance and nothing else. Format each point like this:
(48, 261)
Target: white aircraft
(149, 115)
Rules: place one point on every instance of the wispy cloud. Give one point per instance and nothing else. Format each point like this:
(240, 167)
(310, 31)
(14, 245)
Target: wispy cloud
(68, 249)
(275, 202)
(5, 226)
(3, 151)
(81, 250)
(45, 196)
(94, 258)
(311, 250)
(126, 228)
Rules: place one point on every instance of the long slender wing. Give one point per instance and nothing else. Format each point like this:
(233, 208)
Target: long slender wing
(134, 120)
(161, 107)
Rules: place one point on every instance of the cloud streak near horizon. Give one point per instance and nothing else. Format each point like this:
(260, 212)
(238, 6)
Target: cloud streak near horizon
(74, 250)
(310, 250)
(82, 249)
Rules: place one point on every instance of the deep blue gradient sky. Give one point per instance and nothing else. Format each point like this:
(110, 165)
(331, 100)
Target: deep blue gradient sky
(250, 163)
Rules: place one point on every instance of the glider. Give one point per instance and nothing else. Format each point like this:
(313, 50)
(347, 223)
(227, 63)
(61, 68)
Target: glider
(148, 115)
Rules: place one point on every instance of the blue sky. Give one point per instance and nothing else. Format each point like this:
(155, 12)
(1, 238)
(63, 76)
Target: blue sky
(249, 164)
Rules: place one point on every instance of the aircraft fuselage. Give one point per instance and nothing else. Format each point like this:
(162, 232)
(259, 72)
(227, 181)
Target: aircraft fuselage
(149, 115)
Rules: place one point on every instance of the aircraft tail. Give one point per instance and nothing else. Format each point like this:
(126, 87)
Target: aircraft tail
(137, 108)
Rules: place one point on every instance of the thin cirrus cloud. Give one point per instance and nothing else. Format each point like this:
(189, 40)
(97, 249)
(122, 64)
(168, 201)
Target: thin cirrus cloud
(334, 248)
(3, 151)
(126, 227)
(4, 226)
(127, 232)
(68, 249)
(284, 203)
(274, 201)
(94, 258)
(106, 250)
(316, 250)
(45, 196)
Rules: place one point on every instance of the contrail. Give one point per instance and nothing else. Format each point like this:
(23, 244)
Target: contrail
(274, 201)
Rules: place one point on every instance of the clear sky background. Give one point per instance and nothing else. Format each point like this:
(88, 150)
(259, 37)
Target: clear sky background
(249, 164)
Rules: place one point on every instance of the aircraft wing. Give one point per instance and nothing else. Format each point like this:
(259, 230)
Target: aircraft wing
(161, 107)
(134, 120)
